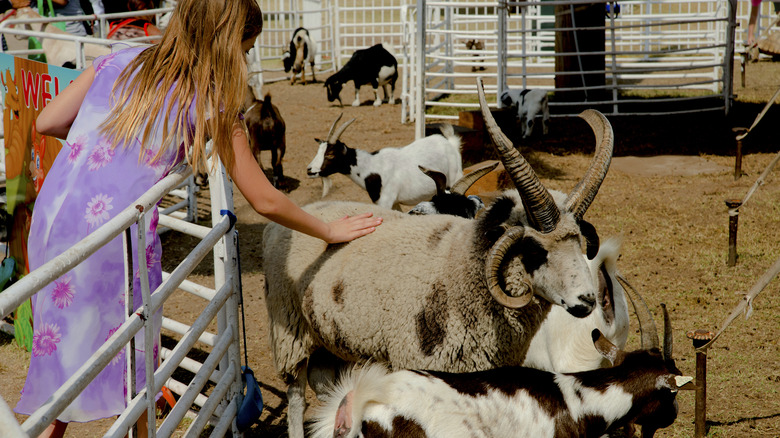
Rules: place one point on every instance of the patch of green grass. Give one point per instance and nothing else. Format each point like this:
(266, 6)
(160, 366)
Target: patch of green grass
(463, 99)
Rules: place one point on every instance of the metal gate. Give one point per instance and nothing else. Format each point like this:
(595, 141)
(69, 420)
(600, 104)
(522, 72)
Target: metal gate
(652, 52)
(222, 366)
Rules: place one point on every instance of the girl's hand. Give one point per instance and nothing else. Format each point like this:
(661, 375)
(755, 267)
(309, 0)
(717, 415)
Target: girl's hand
(351, 227)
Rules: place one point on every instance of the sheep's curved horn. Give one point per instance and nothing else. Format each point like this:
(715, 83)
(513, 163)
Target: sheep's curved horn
(582, 195)
(538, 202)
(333, 137)
(466, 181)
(493, 265)
(647, 328)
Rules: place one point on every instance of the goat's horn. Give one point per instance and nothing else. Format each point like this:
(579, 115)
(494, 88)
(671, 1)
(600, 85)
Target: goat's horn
(538, 202)
(668, 342)
(647, 328)
(332, 139)
(493, 266)
(438, 178)
(466, 181)
(582, 195)
(333, 128)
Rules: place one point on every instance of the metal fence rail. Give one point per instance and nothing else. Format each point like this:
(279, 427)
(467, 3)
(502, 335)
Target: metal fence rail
(223, 362)
(671, 53)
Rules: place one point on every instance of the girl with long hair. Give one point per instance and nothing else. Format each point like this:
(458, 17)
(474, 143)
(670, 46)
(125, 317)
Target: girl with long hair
(128, 121)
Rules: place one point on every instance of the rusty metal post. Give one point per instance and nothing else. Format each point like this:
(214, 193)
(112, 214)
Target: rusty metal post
(738, 155)
(699, 338)
(733, 206)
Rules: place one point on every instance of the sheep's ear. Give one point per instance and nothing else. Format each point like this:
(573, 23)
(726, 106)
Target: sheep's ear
(607, 349)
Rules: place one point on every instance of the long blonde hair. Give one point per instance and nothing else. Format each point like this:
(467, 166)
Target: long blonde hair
(199, 58)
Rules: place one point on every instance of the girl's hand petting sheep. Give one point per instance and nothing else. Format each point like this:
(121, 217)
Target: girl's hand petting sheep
(351, 227)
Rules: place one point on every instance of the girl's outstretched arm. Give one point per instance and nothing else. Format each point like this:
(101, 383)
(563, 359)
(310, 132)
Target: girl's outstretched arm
(57, 116)
(273, 204)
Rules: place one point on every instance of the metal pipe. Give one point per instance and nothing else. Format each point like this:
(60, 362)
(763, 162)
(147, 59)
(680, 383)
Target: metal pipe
(700, 338)
(733, 205)
(208, 408)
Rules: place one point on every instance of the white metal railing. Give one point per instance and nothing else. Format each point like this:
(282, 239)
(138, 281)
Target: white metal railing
(16, 26)
(223, 363)
(663, 47)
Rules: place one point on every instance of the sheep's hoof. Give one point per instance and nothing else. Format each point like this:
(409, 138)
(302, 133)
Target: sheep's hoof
(377, 103)
(356, 103)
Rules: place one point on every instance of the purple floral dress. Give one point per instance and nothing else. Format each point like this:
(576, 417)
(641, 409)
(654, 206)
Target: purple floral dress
(90, 182)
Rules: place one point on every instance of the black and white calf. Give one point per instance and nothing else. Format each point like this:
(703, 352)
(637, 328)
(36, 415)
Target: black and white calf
(528, 104)
(375, 66)
(391, 175)
(302, 51)
(640, 388)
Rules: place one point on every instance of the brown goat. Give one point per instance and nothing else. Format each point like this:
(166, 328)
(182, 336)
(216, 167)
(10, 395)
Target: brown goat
(266, 130)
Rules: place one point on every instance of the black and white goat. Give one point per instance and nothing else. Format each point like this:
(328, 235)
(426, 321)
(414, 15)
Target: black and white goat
(640, 388)
(528, 104)
(453, 201)
(477, 46)
(391, 175)
(267, 132)
(375, 66)
(302, 51)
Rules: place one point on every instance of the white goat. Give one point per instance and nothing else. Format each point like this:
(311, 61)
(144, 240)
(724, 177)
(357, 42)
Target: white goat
(391, 175)
(434, 292)
(640, 388)
(528, 104)
(61, 52)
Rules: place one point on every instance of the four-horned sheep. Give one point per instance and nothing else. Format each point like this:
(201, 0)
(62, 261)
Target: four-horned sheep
(434, 292)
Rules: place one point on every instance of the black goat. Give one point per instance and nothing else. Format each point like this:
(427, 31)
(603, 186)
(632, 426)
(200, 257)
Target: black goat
(375, 66)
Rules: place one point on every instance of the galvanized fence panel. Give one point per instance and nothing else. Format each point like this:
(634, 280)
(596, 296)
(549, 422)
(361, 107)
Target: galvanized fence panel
(280, 19)
(222, 366)
(679, 54)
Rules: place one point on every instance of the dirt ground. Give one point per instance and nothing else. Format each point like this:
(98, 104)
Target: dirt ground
(673, 222)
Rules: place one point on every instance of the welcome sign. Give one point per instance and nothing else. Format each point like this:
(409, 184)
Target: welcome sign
(27, 87)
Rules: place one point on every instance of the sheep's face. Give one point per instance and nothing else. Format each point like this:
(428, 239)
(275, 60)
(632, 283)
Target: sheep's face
(559, 273)
(551, 265)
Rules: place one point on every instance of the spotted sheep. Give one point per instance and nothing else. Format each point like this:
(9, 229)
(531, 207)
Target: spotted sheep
(302, 50)
(375, 66)
(434, 292)
(390, 175)
(639, 388)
